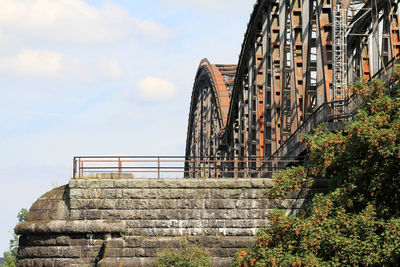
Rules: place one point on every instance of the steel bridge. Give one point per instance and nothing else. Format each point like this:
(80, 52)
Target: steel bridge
(296, 60)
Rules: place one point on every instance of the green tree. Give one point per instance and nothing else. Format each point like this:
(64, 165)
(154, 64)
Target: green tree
(358, 222)
(10, 257)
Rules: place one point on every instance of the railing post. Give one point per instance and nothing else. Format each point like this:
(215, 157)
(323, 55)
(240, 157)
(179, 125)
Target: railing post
(119, 167)
(218, 167)
(235, 165)
(80, 168)
(259, 172)
(158, 167)
(193, 162)
(74, 168)
(209, 167)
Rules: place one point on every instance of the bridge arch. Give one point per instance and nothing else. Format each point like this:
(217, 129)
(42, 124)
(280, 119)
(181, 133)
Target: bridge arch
(299, 55)
(208, 108)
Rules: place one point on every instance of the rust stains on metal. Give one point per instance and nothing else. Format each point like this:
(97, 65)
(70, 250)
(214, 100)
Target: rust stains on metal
(209, 108)
(291, 53)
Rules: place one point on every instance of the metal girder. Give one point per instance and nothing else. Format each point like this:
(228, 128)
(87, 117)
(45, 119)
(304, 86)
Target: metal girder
(324, 10)
(394, 28)
(208, 109)
(296, 56)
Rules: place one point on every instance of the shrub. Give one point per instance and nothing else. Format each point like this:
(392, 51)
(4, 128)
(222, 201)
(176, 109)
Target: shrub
(187, 255)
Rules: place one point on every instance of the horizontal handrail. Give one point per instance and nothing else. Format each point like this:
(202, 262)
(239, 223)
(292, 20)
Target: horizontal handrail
(329, 112)
(194, 167)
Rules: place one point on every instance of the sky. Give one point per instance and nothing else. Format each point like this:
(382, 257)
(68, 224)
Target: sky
(93, 77)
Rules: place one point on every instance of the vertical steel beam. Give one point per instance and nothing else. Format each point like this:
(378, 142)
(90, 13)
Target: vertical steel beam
(286, 107)
(372, 42)
(307, 26)
(395, 29)
(278, 91)
(297, 82)
(260, 89)
(324, 12)
(268, 74)
(276, 69)
(365, 59)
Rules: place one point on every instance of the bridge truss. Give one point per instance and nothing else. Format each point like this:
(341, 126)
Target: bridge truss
(297, 55)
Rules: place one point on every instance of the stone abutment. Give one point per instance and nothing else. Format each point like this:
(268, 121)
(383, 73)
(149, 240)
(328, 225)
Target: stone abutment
(127, 222)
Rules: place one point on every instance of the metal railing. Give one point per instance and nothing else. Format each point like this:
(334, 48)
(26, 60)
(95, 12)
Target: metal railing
(117, 167)
(338, 110)
(129, 167)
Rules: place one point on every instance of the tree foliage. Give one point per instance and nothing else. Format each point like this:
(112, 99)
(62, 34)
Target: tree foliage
(358, 221)
(10, 257)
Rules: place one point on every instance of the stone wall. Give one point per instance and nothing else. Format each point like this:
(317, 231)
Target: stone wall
(127, 222)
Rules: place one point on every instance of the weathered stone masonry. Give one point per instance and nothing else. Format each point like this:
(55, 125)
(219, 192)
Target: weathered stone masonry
(93, 222)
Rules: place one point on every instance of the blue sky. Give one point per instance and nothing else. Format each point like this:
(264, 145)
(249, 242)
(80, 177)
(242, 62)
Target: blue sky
(99, 78)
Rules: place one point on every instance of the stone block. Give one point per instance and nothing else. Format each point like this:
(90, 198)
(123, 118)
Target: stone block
(150, 193)
(121, 183)
(221, 262)
(100, 184)
(205, 183)
(129, 214)
(62, 262)
(106, 204)
(63, 240)
(161, 204)
(115, 243)
(224, 252)
(94, 193)
(156, 183)
(77, 183)
(49, 252)
(175, 183)
(138, 183)
(162, 194)
(220, 204)
(195, 204)
(182, 204)
(94, 214)
(133, 241)
(152, 252)
(122, 252)
(253, 194)
(132, 193)
(134, 262)
(77, 214)
(227, 194)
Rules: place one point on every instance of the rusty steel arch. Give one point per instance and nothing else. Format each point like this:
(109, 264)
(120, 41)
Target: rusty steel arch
(293, 56)
(208, 109)
(298, 56)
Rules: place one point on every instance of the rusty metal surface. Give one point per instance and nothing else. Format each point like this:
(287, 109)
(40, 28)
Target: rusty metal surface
(285, 75)
(209, 108)
(285, 68)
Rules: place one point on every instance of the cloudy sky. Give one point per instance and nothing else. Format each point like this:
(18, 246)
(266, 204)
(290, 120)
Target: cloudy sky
(94, 77)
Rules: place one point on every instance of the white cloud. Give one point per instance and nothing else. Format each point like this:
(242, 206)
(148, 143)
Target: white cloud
(153, 88)
(51, 64)
(73, 21)
(110, 68)
(35, 63)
